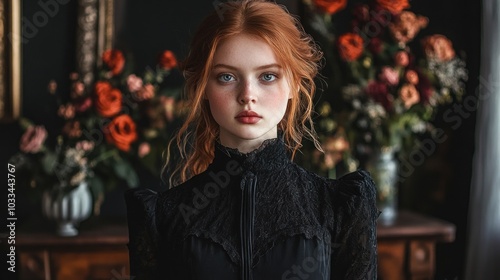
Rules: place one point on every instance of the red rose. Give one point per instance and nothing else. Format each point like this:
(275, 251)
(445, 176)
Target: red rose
(350, 46)
(168, 60)
(362, 12)
(108, 99)
(330, 6)
(394, 6)
(378, 92)
(121, 132)
(375, 45)
(114, 60)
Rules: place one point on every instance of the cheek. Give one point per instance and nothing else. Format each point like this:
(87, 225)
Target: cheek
(216, 101)
(279, 100)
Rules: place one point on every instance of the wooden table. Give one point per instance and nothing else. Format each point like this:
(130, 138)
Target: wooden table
(406, 249)
(98, 252)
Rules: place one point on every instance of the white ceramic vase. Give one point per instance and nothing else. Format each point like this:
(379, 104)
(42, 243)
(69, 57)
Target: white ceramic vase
(68, 210)
(383, 167)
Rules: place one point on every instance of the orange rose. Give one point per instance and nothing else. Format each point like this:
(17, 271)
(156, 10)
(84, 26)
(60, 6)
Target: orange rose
(114, 60)
(402, 59)
(72, 129)
(409, 95)
(438, 47)
(394, 6)
(108, 99)
(406, 26)
(330, 6)
(168, 60)
(350, 46)
(121, 132)
(412, 77)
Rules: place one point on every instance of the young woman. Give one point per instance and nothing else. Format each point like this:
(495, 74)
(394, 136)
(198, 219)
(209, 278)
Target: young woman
(244, 210)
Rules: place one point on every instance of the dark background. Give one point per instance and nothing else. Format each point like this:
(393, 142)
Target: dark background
(145, 28)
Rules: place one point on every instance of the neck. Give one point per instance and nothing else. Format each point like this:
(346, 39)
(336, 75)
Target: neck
(244, 146)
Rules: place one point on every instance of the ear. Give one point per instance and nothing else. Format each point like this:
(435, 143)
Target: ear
(290, 94)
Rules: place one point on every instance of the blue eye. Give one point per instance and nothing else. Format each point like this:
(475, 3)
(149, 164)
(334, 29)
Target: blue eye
(225, 78)
(268, 77)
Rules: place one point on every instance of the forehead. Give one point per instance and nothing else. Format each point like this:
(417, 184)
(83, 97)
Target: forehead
(244, 49)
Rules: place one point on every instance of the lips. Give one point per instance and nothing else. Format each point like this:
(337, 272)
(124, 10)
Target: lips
(248, 117)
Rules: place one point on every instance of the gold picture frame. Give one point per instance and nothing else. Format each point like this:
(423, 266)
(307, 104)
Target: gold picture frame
(94, 34)
(10, 60)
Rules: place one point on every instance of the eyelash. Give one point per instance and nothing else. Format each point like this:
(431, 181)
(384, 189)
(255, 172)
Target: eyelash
(275, 76)
(222, 75)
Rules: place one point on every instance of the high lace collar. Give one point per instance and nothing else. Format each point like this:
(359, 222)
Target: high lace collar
(271, 155)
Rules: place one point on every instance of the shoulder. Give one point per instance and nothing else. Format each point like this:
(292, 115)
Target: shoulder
(355, 184)
(145, 201)
(352, 193)
(140, 201)
(354, 196)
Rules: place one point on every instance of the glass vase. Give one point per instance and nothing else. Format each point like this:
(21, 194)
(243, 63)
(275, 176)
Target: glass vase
(383, 167)
(69, 209)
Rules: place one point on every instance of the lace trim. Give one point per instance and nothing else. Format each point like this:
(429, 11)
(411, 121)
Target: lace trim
(341, 211)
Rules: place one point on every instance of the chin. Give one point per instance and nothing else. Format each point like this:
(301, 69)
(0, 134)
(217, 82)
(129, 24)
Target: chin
(249, 134)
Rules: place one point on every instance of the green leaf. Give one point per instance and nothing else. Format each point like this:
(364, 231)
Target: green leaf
(48, 160)
(125, 171)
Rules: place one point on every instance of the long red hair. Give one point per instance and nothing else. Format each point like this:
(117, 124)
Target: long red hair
(294, 49)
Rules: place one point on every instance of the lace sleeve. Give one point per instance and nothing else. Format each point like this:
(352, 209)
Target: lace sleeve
(355, 254)
(143, 236)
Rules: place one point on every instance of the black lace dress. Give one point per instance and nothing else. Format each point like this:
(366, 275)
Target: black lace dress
(255, 216)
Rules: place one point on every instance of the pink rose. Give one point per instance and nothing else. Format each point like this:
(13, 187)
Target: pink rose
(134, 83)
(77, 90)
(52, 87)
(144, 149)
(169, 106)
(145, 93)
(83, 105)
(33, 139)
(389, 76)
(402, 59)
(66, 111)
(85, 145)
(73, 76)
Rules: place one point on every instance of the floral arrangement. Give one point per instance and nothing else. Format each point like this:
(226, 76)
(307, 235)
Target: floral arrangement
(383, 88)
(109, 130)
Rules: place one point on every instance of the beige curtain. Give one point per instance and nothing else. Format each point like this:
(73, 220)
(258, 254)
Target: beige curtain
(483, 248)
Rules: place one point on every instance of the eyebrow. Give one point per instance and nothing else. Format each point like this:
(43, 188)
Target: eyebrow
(273, 65)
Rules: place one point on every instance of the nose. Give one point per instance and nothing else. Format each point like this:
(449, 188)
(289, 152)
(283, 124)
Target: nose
(247, 94)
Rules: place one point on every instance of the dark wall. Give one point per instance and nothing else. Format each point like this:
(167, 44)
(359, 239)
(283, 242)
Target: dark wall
(150, 26)
(444, 181)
